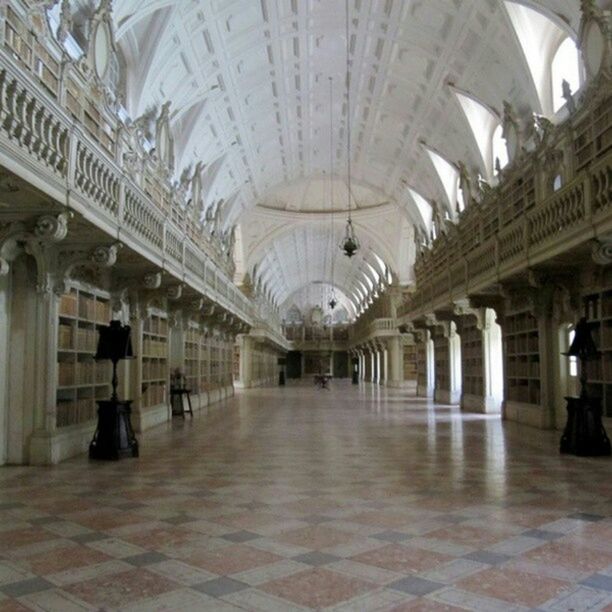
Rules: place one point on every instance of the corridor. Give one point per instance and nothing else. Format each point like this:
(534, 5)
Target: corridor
(357, 498)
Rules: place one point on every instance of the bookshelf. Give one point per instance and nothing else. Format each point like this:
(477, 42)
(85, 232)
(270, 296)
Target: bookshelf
(598, 311)
(154, 360)
(80, 380)
(593, 134)
(204, 363)
(421, 357)
(215, 363)
(442, 361)
(517, 197)
(192, 358)
(472, 357)
(23, 45)
(522, 352)
(410, 362)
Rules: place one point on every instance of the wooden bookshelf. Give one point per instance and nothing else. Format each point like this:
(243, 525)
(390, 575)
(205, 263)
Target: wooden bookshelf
(593, 134)
(421, 356)
(472, 357)
(522, 354)
(517, 197)
(192, 358)
(598, 311)
(411, 362)
(80, 380)
(442, 361)
(155, 373)
(204, 363)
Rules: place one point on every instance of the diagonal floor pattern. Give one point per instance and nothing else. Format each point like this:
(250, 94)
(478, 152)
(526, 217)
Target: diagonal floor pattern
(357, 498)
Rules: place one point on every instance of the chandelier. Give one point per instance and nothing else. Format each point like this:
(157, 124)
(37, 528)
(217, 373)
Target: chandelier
(333, 302)
(350, 243)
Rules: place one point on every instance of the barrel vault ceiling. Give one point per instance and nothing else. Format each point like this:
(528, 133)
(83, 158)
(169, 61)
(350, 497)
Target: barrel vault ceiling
(249, 85)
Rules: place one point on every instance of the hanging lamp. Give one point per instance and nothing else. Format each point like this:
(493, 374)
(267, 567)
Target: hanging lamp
(350, 242)
(333, 302)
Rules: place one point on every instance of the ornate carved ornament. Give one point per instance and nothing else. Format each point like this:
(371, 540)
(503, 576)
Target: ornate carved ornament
(512, 132)
(39, 241)
(101, 45)
(174, 292)
(595, 40)
(464, 308)
(98, 258)
(152, 280)
(164, 141)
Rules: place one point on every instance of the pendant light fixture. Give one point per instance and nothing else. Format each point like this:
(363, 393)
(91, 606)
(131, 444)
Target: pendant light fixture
(333, 302)
(350, 242)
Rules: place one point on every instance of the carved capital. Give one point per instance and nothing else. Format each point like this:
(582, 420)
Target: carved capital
(4, 267)
(52, 228)
(105, 256)
(601, 251)
(175, 292)
(152, 280)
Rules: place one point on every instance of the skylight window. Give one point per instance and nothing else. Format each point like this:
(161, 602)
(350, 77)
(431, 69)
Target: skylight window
(565, 67)
(482, 121)
(500, 150)
(449, 177)
(423, 205)
(539, 38)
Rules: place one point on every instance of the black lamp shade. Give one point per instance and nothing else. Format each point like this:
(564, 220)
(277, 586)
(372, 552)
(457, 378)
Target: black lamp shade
(583, 345)
(114, 342)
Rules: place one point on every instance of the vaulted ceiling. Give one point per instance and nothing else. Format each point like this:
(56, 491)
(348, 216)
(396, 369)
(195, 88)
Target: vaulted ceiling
(249, 85)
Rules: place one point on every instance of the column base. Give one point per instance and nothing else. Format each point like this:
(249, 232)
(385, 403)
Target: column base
(447, 397)
(423, 391)
(403, 384)
(49, 448)
(479, 404)
(527, 414)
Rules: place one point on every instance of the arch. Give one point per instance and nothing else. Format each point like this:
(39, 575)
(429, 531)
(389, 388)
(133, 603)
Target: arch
(483, 120)
(565, 66)
(539, 37)
(448, 176)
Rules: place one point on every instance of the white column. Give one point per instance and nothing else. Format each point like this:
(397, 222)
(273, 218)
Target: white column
(395, 375)
(373, 372)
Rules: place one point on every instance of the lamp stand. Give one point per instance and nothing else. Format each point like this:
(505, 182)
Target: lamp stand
(114, 437)
(584, 433)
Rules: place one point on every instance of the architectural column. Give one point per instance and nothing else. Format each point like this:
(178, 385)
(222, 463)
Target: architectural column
(482, 361)
(374, 360)
(246, 361)
(395, 374)
(447, 355)
(425, 363)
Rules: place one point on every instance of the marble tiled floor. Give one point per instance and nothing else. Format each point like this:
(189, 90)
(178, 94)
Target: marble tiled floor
(296, 498)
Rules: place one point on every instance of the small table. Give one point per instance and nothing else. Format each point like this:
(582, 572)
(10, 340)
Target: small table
(321, 380)
(176, 401)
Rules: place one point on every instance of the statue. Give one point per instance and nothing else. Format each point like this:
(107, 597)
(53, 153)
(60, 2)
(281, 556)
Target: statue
(65, 24)
(196, 191)
(465, 183)
(568, 96)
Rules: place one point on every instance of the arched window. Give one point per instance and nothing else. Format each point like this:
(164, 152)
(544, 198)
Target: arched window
(500, 151)
(460, 197)
(565, 66)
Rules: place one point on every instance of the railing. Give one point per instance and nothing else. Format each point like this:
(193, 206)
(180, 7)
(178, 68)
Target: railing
(364, 330)
(32, 121)
(577, 213)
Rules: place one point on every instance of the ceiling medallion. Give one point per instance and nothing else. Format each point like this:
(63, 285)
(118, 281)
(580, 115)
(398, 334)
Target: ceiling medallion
(350, 243)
